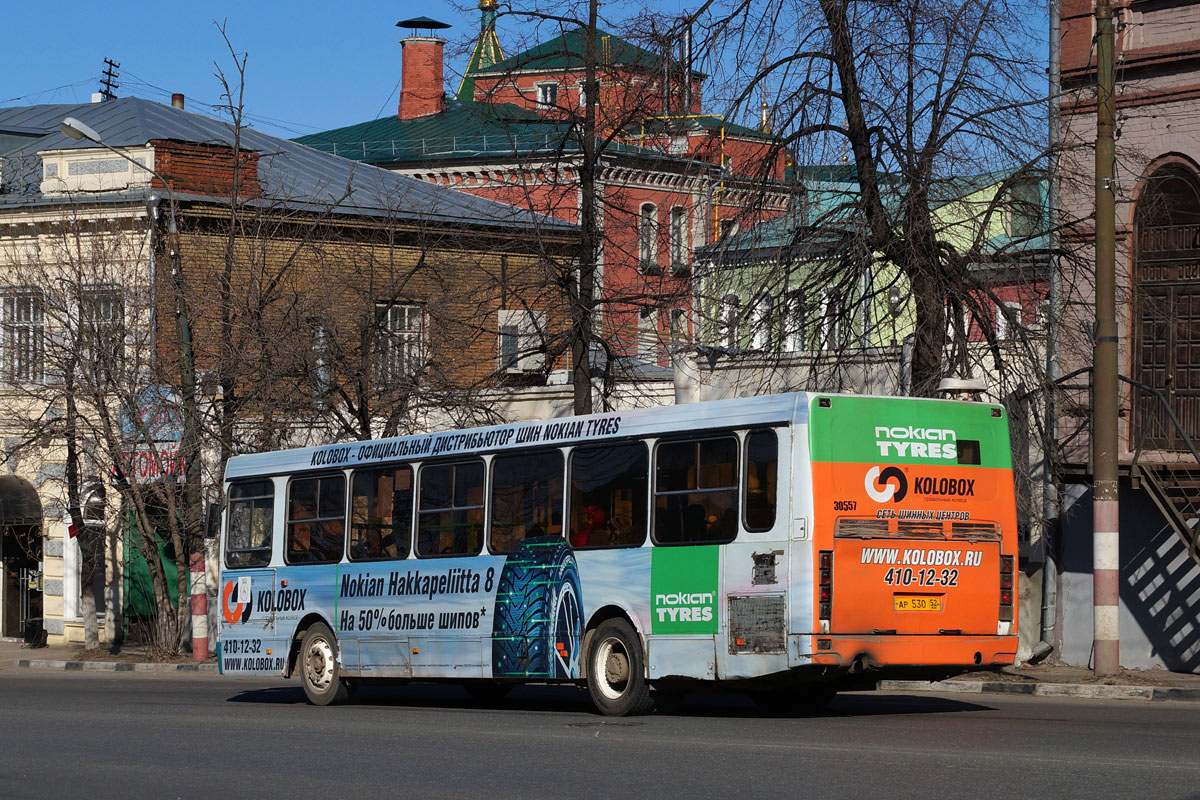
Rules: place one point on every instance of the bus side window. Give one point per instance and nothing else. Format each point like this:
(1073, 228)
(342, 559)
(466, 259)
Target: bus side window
(696, 491)
(762, 471)
(450, 513)
(526, 498)
(316, 523)
(251, 518)
(608, 495)
(381, 504)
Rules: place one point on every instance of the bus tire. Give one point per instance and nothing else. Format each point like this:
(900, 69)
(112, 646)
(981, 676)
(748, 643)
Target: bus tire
(320, 672)
(616, 674)
(537, 628)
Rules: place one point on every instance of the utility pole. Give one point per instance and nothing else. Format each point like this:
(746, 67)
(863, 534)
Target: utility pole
(1106, 579)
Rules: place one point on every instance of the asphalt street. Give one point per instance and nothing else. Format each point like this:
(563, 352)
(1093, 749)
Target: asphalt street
(130, 736)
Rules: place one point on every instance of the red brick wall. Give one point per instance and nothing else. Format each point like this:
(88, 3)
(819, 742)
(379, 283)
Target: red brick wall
(205, 169)
(623, 97)
(421, 93)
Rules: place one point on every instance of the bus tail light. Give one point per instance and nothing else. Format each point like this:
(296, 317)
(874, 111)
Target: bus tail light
(825, 586)
(1007, 587)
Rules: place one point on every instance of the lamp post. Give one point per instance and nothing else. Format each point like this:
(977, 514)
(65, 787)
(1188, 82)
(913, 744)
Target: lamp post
(189, 449)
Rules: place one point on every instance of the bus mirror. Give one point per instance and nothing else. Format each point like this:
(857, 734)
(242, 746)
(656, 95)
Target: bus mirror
(212, 520)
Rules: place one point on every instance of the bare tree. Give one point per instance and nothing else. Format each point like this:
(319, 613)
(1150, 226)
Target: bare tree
(929, 112)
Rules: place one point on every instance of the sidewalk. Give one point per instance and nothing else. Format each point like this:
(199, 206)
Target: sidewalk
(1055, 680)
(1043, 680)
(68, 657)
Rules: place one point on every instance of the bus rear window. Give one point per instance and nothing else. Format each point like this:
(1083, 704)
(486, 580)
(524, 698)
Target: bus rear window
(450, 515)
(527, 494)
(696, 491)
(381, 505)
(251, 518)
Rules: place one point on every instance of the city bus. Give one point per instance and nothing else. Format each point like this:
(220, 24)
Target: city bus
(790, 545)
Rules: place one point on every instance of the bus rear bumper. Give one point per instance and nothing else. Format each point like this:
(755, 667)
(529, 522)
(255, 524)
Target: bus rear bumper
(860, 653)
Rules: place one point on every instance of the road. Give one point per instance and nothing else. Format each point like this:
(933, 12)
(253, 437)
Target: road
(130, 736)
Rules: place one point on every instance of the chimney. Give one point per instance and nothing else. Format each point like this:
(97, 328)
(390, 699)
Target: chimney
(177, 100)
(421, 75)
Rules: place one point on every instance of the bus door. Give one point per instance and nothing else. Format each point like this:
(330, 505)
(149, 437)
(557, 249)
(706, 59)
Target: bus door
(756, 567)
(248, 621)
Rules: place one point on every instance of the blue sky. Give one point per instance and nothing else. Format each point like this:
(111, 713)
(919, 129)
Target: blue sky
(312, 65)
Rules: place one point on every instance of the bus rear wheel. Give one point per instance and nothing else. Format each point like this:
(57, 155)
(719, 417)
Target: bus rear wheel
(319, 669)
(616, 674)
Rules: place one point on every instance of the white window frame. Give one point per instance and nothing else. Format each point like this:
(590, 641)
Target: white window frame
(400, 347)
(731, 308)
(796, 338)
(679, 249)
(109, 330)
(27, 335)
(544, 89)
(527, 327)
(760, 337)
(647, 346)
(648, 237)
(831, 321)
(1004, 331)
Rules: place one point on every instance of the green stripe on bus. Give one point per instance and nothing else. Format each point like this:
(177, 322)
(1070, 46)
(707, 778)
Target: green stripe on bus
(908, 431)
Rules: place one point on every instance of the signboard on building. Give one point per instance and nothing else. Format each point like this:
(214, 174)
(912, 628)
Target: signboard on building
(154, 414)
(153, 462)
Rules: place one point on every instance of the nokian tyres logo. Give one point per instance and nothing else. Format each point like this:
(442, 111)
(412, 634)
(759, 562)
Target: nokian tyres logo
(683, 589)
(886, 484)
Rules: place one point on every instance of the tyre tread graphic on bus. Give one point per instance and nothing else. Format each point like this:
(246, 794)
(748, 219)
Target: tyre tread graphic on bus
(537, 629)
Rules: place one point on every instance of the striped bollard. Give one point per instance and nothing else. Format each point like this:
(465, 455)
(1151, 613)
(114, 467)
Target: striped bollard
(199, 608)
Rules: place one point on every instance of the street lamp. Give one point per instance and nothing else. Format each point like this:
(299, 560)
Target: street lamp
(74, 129)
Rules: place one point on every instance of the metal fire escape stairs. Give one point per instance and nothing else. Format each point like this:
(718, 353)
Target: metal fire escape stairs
(1174, 487)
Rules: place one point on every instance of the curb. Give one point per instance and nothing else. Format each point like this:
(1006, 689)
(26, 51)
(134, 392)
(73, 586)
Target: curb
(113, 666)
(1094, 691)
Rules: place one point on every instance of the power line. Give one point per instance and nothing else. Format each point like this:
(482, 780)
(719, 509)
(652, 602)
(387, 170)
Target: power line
(47, 91)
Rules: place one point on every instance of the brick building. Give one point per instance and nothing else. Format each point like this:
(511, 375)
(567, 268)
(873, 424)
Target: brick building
(328, 299)
(1158, 284)
(670, 177)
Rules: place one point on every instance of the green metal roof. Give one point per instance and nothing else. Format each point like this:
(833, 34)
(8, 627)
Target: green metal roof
(569, 50)
(462, 130)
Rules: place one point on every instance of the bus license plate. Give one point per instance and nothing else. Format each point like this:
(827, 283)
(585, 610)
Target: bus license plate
(911, 603)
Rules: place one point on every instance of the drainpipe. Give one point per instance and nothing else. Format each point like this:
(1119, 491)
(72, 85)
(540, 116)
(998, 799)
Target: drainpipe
(1046, 644)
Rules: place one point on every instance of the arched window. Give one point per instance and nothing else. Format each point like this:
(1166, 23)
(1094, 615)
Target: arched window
(730, 311)
(1166, 350)
(648, 237)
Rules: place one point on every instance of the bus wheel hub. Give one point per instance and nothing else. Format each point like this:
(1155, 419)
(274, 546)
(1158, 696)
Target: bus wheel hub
(616, 668)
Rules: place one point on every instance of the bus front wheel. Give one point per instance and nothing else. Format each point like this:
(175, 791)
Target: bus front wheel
(616, 675)
(319, 669)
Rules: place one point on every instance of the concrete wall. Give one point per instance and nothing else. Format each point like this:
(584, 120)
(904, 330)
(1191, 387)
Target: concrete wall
(1160, 586)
